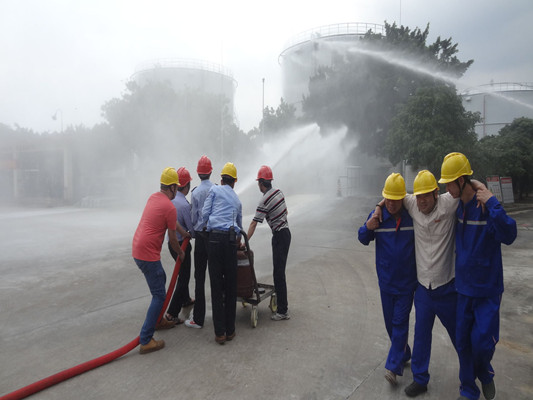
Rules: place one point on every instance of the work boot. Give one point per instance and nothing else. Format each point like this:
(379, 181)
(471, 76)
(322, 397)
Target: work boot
(489, 390)
(415, 388)
(391, 377)
(152, 345)
(164, 324)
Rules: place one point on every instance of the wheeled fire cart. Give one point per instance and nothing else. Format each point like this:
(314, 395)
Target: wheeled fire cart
(249, 291)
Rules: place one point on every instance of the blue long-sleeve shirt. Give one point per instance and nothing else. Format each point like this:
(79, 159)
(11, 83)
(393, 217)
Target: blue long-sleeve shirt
(395, 252)
(478, 238)
(184, 214)
(222, 209)
(198, 196)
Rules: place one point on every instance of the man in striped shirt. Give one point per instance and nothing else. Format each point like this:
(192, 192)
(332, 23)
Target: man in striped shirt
(272, 207)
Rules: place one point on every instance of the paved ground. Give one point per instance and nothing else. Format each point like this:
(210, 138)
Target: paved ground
(70, 292)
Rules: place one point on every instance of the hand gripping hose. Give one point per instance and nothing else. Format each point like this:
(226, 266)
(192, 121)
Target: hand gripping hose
(97, 362)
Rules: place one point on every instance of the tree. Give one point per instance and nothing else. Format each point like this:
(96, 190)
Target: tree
(432, 123)
(156, 122)
(510, 154)
(279, 120)
(363, 88)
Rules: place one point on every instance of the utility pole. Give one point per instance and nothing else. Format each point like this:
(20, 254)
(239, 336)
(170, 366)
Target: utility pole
(263, 114)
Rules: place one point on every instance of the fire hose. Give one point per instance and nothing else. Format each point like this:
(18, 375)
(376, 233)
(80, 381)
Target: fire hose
(97, 362)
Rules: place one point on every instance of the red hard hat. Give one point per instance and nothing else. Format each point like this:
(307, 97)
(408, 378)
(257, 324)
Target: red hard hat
(204, 166)
(264, 173)
(184, 176)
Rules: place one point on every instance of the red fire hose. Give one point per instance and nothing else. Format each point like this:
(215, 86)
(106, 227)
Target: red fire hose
(97, 362)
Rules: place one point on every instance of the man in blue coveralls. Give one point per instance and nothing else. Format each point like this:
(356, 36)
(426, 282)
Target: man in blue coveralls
(396, 270)
(478, 275)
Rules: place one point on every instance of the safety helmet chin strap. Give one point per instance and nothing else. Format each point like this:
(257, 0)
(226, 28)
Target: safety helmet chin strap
(461, 188)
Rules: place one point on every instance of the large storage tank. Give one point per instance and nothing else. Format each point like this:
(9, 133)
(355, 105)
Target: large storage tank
(499, 104)
(197, 75)
(307, 51)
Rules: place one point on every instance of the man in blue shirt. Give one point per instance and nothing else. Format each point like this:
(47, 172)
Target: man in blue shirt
(198, 196)
(478, 275)
(222, 212)
(396, 269)
(181, 297)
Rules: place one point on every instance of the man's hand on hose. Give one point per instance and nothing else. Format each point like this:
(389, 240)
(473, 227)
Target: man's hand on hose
(181, 254)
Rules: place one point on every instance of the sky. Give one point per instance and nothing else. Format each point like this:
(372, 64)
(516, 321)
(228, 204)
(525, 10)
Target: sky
(70, 57)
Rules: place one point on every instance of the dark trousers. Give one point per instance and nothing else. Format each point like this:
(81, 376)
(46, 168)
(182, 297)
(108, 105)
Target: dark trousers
(200, 266)
(281, 242)
(222, 264)
(181, 294)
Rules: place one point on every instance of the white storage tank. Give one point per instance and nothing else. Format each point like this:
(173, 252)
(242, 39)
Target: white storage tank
(189, 74)
(499, 104)
(307, 51)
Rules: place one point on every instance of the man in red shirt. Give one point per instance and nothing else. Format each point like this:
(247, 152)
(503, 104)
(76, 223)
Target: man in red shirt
(159, 215)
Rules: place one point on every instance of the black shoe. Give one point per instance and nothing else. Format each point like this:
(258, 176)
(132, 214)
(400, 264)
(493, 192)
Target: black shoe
(414, 389)
(489, 390)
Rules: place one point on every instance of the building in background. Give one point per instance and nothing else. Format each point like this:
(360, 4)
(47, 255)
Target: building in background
(189, 74)
(305, 52)
(498, 104)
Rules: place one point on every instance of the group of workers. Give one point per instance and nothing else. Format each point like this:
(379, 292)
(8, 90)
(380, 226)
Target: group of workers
(214, 220)
(416, 237)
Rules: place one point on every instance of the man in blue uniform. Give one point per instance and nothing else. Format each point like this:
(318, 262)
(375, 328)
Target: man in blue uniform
(478, 275)
(396, 269)
(181, 297)
(222, 212)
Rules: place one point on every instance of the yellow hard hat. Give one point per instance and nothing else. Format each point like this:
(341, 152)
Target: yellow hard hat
(425, 182)
(394, 188)
(454, 166)
(169, 177)
(230, 170)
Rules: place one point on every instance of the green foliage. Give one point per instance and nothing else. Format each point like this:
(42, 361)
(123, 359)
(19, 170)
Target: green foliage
(276, 121)
(509, 154)
(153, 120)
(429, 126)
(364, 87)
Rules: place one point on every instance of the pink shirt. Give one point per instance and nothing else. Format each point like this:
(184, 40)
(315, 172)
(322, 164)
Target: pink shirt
(159, 215)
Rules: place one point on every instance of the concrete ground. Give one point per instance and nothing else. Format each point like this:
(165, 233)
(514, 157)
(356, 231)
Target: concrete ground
(70, 292)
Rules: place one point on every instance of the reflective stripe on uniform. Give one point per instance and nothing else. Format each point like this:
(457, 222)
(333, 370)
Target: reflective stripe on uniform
(403, 228)
(469, 222)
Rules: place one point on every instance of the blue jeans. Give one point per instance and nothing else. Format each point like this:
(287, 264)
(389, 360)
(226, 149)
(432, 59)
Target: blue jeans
(156, 278)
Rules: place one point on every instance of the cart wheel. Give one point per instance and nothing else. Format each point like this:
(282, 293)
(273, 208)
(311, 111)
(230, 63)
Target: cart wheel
(253, 317)
(273, 303)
